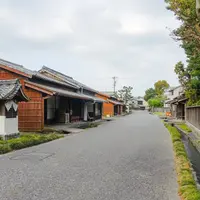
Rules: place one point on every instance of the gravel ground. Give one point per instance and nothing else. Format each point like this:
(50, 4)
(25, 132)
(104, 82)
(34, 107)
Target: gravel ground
(130, 158)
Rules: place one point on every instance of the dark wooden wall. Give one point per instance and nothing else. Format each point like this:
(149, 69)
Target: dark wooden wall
(193, 116)
(30, 114)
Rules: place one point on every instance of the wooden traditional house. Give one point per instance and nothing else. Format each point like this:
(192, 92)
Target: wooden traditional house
(177, 102)
(118, 105)
(108, 107)
(10, 94)
(111, 106)
(53, 99)
(92, 109)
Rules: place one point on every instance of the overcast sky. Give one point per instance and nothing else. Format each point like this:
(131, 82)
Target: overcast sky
(93, 40)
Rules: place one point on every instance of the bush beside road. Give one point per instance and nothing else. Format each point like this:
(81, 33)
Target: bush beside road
(26, 140)
(187, 185)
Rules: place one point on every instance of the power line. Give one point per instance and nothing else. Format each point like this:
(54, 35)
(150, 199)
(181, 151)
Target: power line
(114, 83)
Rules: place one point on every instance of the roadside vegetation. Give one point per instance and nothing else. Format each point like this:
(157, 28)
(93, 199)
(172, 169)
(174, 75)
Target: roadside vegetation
(188, 36)
(185, 128)
(26, 140)
(187, 185)
(155, 96)
(160, 114)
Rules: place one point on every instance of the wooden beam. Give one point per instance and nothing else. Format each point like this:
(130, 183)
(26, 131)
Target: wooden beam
(38, 88)
(15, 71)
(47, 97)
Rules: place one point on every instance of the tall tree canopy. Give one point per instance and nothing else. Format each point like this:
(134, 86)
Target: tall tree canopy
(155, 96)
(160, 87)
(188, 12)
(156, 103)
(149, 94)
(126, 94)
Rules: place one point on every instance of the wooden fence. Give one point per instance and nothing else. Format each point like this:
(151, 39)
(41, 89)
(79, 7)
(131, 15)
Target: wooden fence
(165, 109)
(193, 116)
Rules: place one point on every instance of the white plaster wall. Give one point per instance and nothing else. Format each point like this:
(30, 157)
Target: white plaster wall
(177, 92)
(144, 103)
(172, 95)
(2, 125)
(169, 96)
(11, 126)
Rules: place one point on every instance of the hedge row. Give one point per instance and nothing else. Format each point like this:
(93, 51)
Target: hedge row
(187, 185)
(26, 140)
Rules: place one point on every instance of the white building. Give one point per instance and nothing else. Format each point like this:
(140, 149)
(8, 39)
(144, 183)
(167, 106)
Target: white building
(173, 93)
(10, 94)
(177, 102)
(140, 103)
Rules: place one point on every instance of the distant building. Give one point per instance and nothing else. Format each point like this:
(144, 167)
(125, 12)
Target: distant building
(111, 105)
(140, 103)
(172, 93)
(176, 101)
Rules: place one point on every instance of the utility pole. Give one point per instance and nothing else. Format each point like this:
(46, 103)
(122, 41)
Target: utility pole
(114, 83)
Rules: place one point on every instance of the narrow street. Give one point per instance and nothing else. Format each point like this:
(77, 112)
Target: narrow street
(129, 158)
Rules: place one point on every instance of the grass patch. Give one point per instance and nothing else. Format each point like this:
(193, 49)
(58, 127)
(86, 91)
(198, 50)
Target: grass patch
(187, 186)
(93, 125)
(160, 114)
(185, 128)
(89, 125)
(26, 140)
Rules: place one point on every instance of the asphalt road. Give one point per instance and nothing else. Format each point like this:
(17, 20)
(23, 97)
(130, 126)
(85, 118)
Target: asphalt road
(130, 158)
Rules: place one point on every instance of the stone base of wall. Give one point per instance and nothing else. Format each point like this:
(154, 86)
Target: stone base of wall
(10, 136)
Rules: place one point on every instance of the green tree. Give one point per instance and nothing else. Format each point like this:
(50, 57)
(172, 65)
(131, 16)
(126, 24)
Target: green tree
(156, 103)
(149, 94)
(125, 94)
(188, 12)
(160, 87)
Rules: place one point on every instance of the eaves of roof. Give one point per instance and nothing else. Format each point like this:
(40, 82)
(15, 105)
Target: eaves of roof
(60, 92)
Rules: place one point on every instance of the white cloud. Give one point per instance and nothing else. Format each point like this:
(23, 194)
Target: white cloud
(92, 40)
(136, 24)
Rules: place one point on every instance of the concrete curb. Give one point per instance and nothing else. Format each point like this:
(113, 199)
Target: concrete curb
(190, 136)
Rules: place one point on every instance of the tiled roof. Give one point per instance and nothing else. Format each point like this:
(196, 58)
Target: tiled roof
(46, 78)
(109, 93)
(32, 73)
(115, 102)
(67, 78)
(16, 66)
(66, 93)
(9, 89)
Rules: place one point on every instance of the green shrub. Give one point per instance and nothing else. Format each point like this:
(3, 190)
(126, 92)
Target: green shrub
(26, 140)
(31, 140)
(4, 148)
(16, 144)
(160, 114)
(185, 128)
(187, 185)
(3, 142)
